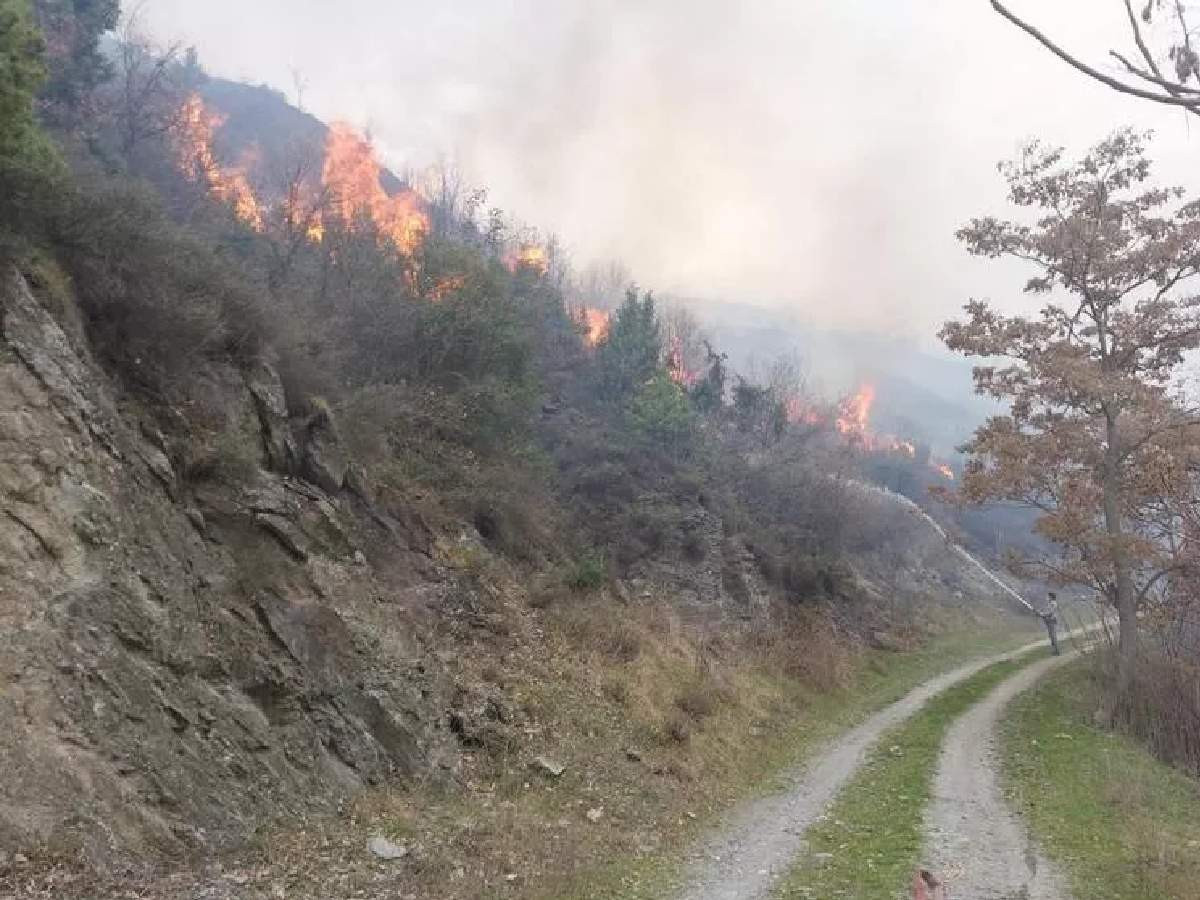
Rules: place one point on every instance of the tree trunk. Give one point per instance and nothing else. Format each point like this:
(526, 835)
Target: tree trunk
(1126, 598)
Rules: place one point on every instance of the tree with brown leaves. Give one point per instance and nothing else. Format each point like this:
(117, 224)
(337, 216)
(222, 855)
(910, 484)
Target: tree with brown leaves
(1097, 430)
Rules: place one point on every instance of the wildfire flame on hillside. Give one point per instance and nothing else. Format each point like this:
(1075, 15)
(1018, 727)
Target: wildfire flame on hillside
(351, 175)
(853, 422)
(800, 412)
(676, 367)
(595, 323)
(854, 414)
(528, 256)
(194, 137)
(444, 287)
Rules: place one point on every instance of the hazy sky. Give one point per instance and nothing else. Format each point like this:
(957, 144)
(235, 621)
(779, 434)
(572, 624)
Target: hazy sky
(813, 156)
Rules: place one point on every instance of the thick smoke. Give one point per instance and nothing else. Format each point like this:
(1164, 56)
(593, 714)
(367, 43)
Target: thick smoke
(814, 157)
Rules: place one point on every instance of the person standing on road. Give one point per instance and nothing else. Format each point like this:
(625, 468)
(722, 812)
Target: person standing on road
(1050, 617)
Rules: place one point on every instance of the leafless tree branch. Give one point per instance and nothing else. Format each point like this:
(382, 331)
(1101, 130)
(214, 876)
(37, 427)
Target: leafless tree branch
(1169, 97)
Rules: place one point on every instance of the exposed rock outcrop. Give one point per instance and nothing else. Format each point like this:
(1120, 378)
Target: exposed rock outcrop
(270, 403)
(186, 654)
(324, 461)
(708, 574)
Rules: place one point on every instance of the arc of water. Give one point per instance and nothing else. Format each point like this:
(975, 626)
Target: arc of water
(962, 551)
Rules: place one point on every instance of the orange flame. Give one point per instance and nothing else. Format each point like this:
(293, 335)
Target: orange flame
(854, 414)
(854, 423)
(676, 368)
(447, 286)
(800, 411)
(302, 213)
(595, 323)
(944, 470)
(528, 256)
(351, 175)
(194, 135)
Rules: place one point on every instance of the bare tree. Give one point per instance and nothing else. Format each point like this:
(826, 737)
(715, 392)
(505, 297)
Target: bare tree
(684, 338)
(299, 86)
(1145, 73)
(302, 213)
(149, 86)
(454, 205)
(602, 285)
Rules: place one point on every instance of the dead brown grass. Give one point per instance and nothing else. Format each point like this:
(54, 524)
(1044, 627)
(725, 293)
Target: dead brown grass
(659, 725)
(1163, 707)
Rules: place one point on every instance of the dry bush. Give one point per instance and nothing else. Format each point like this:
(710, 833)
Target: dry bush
(806, 645)
(1163, 707)
(699, 699)
(596, 626)
(677, 728)
(156, 297)
(228, 457)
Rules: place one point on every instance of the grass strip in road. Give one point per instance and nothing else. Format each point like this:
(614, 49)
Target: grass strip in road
(883, 678)
(1122, 824)
(870, 840)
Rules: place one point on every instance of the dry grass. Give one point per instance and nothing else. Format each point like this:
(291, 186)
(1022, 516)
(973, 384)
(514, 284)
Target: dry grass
(1163, 707)
(660, 726)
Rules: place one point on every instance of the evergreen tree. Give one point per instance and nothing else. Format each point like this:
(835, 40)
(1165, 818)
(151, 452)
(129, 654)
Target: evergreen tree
(21, 74)
(629, 354)
(73, 29)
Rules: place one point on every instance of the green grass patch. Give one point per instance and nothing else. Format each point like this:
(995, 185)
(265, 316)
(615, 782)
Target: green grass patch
(814, 719)
(871, 839)
(1121, 824)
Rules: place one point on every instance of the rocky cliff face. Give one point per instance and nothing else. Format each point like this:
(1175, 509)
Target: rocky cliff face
(185, 654)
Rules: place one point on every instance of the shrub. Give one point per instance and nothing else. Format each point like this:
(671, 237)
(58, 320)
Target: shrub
(606, 481)
(678, 728)
(592, 627)
(661, 415)
(588, 574)
(630, 352)
(1162, 707)
(699, 699)
(22, 73)
(805, 644)
(154, 297)
(693, 547)
(229, 457)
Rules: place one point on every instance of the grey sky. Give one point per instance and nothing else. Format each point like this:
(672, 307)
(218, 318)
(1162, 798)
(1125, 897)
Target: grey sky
(814, 156)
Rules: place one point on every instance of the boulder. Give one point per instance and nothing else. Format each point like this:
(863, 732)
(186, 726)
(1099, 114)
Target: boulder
(548, 766)
(323, 459)
(384, 849)
(270, 403)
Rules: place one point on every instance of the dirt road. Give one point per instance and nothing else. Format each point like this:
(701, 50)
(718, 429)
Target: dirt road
(974, 841)
(759, 842)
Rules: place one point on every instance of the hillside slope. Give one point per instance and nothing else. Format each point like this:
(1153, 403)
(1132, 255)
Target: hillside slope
(194, 648)
(316, 487)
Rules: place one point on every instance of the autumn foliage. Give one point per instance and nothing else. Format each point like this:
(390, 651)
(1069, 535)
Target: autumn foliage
(1098, 436)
